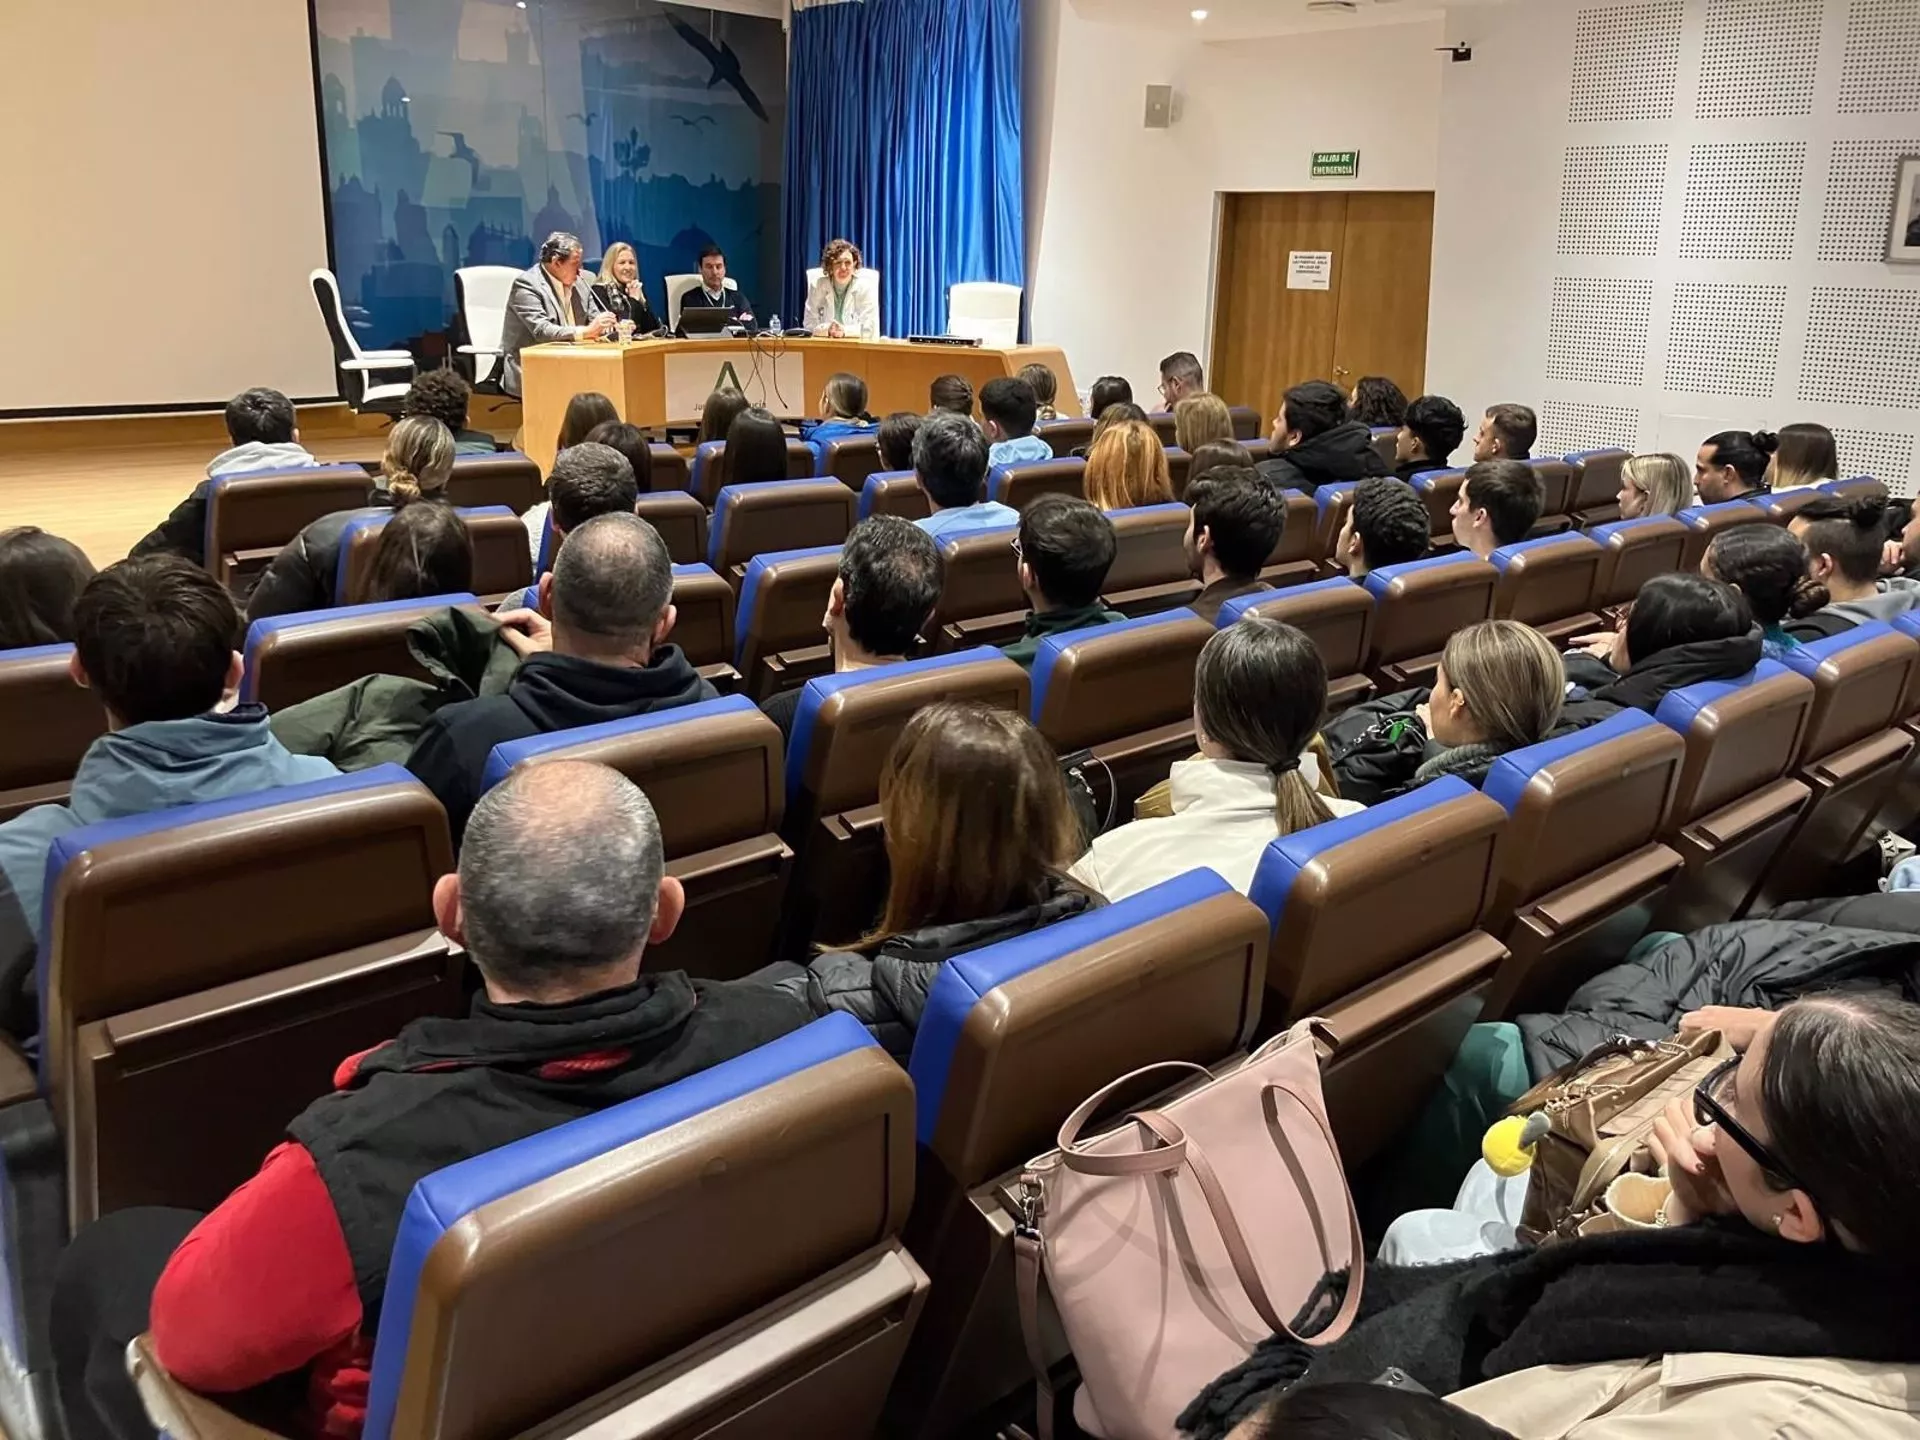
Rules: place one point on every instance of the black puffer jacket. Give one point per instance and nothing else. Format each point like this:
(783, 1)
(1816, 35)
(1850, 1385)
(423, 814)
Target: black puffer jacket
(301, 575)
(1648, 682)
(887, 990)
(1868, 942)
(1343, 453)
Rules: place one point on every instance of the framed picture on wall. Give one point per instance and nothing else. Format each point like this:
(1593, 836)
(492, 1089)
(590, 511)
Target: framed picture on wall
(1904, 241)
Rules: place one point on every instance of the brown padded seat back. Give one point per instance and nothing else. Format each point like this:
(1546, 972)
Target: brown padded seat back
(1705, 522)
(1336, 615)
(900, 495)
(1549, 581)
(1439, 497)
(264, 512)
(1120, 679)
(1635, 554)
(1065, 436)
(681, 521)
(705, 604)
(1738, 742)
(1162, 423)
(1020, 485)
(981, 576)
(1422, 605)
(667, 470)
(717, 474)
(1184, 986)
(502, 563)
(785, 515)
(1179, 471)
(509, 479)
(48, 722)
(1148, 547)
(1299, 538)
(292, 663)
(785, 602)
(709, 1219)
(1246, 422)
(1556, 485)
(1597, 483)
(851, 460)
(1859, 690)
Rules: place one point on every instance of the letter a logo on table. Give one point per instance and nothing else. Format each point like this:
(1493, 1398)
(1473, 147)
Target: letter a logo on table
(728, 379)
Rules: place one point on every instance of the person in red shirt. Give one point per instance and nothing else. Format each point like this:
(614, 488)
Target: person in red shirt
(561, 888)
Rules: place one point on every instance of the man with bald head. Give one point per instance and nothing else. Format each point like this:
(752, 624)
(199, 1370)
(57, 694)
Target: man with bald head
(562, 888)
(595, 650)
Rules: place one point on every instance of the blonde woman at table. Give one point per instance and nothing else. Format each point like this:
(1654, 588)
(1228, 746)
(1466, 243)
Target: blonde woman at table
(618, 288)
(842, 302)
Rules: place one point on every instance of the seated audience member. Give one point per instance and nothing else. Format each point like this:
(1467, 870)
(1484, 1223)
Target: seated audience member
(446, 396)
(1378, 403)
(1108, 391)
(1499, 686)
(1768, 565)
(1845, 541)
(265, 439)
(1009, 411)
(602, 482)
(1430, 433)
(596, 650)
(1201, 419)
(1236, 523)
(584, 411)
(631, 442)
(1732, 465)
(1127, 466)
(1805, 455)
(1046, 388)
(41, 577)
(1776, 1279)
(1216, 454)
(950, 459)
(1506, 432)
(843, 411)
(1363, 1410)
(1654, 485)
(1315, 443)
(1065, 549)
(157, 641)
(1681, 629)
(953, 393)
(1118, 413)
(1180, 376)
(895, 440)
(962, 779)
(424, 550)
(756, 448)
(561, 892)
(1498, 502)
(889, 581)
(716, 416)
(416, 468)
(1387, 524)
(1259, 691)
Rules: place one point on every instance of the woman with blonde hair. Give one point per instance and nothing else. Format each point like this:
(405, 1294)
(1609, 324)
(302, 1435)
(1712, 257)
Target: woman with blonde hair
(1201, 419)
(979, 834)
(618, 287)
(1806, 456)
(1654, 485)
(1500, 686)
(1259, 691)
(416, 467)
(1127, 466)
(842, 302)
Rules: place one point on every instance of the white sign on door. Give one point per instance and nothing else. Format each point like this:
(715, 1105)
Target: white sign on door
(1309, 270)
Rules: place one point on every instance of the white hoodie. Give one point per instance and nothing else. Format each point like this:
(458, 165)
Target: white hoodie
(259, 455)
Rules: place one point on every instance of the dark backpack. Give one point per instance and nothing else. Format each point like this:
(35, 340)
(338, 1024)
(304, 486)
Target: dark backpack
(1374, 751)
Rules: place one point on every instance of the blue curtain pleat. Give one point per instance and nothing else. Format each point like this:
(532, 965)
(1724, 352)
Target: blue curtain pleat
(903, 135)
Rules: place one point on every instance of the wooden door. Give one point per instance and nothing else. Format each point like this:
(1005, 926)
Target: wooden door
(1373, 319)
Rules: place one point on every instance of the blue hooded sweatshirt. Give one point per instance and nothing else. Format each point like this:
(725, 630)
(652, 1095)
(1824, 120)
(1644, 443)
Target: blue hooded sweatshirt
(155, 766)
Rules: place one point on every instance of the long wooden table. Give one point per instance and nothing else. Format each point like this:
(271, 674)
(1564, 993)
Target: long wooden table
(653, 383)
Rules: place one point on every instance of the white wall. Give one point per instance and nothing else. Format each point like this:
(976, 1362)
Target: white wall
(1121, 219)
(1790, 226)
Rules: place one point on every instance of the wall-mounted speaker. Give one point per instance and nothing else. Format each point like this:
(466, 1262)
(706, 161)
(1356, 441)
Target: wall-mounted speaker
(1159, 107)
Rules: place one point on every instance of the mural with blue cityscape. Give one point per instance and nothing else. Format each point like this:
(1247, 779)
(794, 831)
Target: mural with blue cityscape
(461, 132)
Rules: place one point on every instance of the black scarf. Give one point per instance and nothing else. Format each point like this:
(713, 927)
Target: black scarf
(1719, 1286)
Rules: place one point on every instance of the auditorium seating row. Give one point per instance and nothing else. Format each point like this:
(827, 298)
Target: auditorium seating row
(163, 1078)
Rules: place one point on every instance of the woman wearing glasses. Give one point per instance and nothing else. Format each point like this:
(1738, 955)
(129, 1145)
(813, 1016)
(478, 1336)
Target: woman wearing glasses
(1777, 1297)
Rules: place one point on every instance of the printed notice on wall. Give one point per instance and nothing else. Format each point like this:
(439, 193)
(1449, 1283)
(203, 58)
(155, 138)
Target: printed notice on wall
(1309, 270)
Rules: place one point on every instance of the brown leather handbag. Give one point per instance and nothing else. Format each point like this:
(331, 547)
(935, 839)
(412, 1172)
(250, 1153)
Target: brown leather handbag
(1600, 1112)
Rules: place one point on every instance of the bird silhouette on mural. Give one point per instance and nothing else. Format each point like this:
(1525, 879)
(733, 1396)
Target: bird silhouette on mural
(586, 120)
(726, 64)
(696, 122)
(464, 151)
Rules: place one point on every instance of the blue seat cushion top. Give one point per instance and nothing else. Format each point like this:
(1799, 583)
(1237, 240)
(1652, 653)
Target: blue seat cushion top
(1324, 495)
(961, 981)
(997, 476)
(723, 507)
(819, 689)
(34, 652)
(494, 459)
(1809, 657)
(1240, 604)
(1169, 507)
(1284, 858)
(1580, 455)
(1907, 624)
(1423, 480)
(1507, 781)
(259, 630)
(546, 546)
(703, 454)
(1679, 707)
(870, 491)
(750, 588)
(1600, 534)
(1503, 557)
(1377, 581)
(220, 482)
(1697, 512)
(1051, 648)
(442, 1199)
(510, 753)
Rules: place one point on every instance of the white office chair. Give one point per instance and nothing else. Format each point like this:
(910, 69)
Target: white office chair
(357, 366)
(984, 310)
(677, 288)
(481, 291)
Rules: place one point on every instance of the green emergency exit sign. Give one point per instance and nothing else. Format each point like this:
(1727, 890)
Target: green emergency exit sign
(1336, 162)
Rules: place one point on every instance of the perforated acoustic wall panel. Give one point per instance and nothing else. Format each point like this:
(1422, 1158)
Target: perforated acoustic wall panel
(1870, 452)
(1863, 347)
(1743, 200)
(1625, 61)
(1758, 57)
(1567, 426)
(1880, 74)
(1860, 178)
(1610, 199)
(1725, 339)
(1598, 330)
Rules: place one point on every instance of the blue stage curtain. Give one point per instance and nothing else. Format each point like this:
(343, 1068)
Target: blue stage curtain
(903, 136)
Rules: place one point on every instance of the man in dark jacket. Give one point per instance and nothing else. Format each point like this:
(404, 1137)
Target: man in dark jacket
(562, 888)
(1429, 435)
(1316, 444)
(1064, 551)
(596, 650)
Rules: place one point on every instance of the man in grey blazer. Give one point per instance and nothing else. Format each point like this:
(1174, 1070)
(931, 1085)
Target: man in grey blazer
(549, 302)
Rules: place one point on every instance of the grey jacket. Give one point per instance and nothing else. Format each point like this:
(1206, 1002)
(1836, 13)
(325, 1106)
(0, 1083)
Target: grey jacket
(533, 318)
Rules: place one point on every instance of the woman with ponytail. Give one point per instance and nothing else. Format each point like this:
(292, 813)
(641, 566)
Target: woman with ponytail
(1259, 692)
(416, 467)
(1769, 566)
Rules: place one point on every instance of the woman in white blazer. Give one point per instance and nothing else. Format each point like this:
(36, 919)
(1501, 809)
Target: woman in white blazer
(842, 301)
(1258, 693)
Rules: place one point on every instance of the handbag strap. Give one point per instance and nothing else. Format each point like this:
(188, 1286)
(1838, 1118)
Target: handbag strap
(1069, 1135)
(1356, 1243)
(1026, 1278)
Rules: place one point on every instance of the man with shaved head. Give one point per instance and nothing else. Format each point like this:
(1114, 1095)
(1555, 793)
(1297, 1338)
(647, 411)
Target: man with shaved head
(561, 889)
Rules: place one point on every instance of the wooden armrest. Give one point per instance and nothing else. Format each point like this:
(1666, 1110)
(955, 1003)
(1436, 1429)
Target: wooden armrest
(723, 677)
(180, 1413)
(18, 1082)
(849, 824)
(691, 869)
